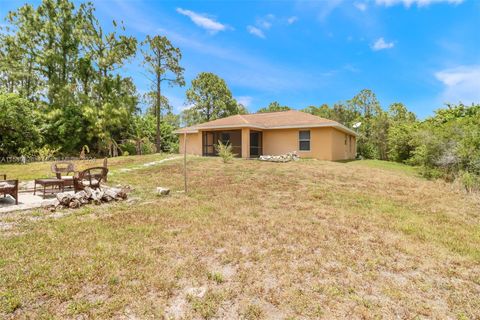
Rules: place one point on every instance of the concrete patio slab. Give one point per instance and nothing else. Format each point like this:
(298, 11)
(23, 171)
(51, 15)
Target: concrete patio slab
(26, 201)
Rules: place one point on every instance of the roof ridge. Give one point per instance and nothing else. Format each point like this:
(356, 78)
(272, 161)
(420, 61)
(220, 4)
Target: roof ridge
(244, 120)
(266, 113)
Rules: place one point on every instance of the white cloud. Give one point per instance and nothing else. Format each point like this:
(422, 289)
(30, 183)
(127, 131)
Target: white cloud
(261, 25)
(244, 100)
(292, 20)
(360, 6)
(203, 21)
(242, 68)
(419, 3)
(462, 84)
(266, 22)
(256, 31)
(381, 44)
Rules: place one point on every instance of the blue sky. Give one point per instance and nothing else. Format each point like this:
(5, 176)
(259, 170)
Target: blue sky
(420, 52)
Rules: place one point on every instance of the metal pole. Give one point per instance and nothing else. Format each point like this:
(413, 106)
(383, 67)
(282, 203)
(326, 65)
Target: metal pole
(185, 160)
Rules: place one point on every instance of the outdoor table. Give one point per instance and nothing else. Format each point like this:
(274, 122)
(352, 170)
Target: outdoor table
(4, 176)
(49, 182)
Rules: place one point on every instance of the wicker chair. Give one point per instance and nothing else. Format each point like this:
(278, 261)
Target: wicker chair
(91, 177)
(63, 170)
(9, 187)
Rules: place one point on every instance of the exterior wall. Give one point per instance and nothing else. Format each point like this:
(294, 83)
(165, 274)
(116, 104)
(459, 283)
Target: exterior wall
(194, 143)
(344, 146)
(281, 141)
(325, 143)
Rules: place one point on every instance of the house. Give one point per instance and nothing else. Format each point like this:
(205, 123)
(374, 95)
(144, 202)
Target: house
(274, 133)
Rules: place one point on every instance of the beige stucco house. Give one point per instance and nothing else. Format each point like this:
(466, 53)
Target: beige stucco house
(274, 133)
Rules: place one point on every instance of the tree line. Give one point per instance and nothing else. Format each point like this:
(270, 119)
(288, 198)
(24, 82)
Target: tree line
(445, 145)
(61, 69)
(62, 90)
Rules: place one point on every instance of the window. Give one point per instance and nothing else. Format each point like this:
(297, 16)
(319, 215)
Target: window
(346, 139)
(304, 140)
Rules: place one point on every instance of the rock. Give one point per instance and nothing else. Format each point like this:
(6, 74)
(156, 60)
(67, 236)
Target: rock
(64, 198)
(88, 192)
(75, 203)
(50, 205)
(291, 156)
(88, 195)
(162, 191)
(122, 195)
(110, 194)
(97, 195)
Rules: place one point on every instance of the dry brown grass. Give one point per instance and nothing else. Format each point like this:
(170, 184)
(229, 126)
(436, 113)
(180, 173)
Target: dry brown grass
(253, 240)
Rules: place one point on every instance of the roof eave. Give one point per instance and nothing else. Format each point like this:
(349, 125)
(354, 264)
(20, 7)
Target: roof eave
(338, 126)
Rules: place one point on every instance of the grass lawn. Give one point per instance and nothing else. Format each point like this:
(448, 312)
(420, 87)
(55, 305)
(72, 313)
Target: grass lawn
(37, 170)
(251, 240)
(387, 165)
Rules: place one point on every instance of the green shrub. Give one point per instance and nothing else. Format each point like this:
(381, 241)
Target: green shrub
(47, 153)
(470, 181)
(148, 147)
(225, 151)
(128, 147)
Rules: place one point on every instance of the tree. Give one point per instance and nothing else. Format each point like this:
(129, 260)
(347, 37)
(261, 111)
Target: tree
(19, 134)
(58, 56)
(366, 106)
(210, 99)
(323, 111)
(162, 60)
(401, 130)
(273, 107)
(109, 100)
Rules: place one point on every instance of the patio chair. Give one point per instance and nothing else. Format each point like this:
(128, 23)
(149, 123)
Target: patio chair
(9, 187)
(91, 177)
(63, 170)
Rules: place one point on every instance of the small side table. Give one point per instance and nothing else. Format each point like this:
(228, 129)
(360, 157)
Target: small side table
(49, 182)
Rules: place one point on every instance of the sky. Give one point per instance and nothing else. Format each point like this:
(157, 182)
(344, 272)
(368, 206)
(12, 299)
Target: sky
(424, 53)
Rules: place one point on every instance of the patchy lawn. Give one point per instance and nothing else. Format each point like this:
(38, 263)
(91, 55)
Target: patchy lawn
(387, 165)
(252, 240)
(37, 170)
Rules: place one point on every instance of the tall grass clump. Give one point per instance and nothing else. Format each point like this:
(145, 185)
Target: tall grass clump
(225, 151)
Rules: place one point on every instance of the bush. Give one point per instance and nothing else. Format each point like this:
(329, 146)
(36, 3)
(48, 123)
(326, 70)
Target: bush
(47, 153)
(470, 181)
(148, 147)
(128, 147)
(225, 151)
(19, 133)
(431, 173)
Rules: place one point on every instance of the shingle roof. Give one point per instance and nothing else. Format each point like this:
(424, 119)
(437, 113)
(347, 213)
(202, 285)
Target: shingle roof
(270, 120)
